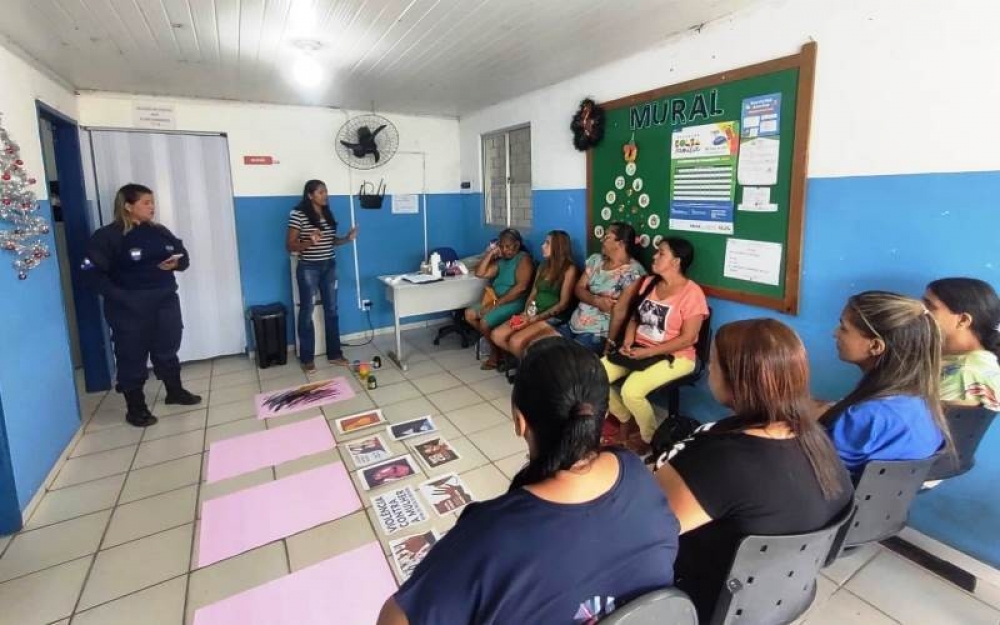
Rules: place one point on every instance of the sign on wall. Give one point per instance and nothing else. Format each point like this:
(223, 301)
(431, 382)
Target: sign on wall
(157, 116)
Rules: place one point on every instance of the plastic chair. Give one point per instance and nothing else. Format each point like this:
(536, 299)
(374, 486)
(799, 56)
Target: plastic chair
(659, 607)
(883, 495)
(467, 334)
(968, 426)
(773, 578)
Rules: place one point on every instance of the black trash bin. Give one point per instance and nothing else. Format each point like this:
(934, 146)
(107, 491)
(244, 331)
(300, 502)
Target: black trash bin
(269, 334)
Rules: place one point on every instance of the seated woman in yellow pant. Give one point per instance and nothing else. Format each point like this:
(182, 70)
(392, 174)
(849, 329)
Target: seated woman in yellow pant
(659, 341)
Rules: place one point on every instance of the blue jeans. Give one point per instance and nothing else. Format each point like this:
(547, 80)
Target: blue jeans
(312, 277)
(593, 342)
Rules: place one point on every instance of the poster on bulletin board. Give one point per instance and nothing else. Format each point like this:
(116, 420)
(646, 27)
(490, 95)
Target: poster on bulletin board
(721, 162)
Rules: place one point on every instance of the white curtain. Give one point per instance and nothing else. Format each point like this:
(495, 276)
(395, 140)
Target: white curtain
(190, 178)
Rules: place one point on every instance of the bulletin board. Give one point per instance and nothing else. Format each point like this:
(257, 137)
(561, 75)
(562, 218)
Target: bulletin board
(720, 161)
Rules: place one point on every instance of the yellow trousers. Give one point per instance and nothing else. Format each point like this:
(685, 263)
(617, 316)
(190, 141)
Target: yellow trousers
(631, 400)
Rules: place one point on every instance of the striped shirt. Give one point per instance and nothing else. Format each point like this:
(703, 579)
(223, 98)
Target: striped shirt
(320, 251)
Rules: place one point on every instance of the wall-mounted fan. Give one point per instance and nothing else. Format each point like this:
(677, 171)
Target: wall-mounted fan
(367, 141)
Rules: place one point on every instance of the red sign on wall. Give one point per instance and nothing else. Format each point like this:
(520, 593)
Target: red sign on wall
(258, 160)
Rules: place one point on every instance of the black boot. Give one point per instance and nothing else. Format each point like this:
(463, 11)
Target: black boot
(138, 414)
(177, 394)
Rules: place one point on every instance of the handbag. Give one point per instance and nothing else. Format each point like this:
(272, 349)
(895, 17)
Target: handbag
(637, 364)
(489, 297)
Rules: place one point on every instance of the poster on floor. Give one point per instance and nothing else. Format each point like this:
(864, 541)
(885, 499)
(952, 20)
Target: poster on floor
(398, 510)
(435, 452)
(703, 177)
(446, 493)
(387, 472)
(368, 451)
(304, 397)
(360, 421)
(414, 427)
(407, 552)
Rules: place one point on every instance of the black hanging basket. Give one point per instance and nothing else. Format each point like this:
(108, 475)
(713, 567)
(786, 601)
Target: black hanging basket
(368, 199)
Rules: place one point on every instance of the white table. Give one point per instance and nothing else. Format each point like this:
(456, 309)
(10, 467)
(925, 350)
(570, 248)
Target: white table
(432, 297)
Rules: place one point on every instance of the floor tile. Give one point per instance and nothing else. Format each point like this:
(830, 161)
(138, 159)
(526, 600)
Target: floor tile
(233, 484)
(200, 386)
(436, 382)
(308, 462)
(422, 369)
(235, 378)
(498, 442)
(74, 501)
(409, 409)
(161, 478)
(42, 597)
(104, 440)
(387, 376)
(196, 370)
(358, 403)
(55, 544)
(329, 540)
(152, 515)
(136, 565)
(172, 425)
(454, 360)
(231, 363)
(394, 393)
(917, 595)
(233, 576)
(94, 466)
(162, 604)
(233, 411)
(849, 563)
(486, 482)
(288, 419)
(510, 465)
(473, 374)
(169, 448)
(233, 393)
(106, 418)
(277, 384)
(232, 430)
(494, 388)
(478, 417)
(454, 398)
(844, 607)
(824, 590)
(503, 405)
(161, 409)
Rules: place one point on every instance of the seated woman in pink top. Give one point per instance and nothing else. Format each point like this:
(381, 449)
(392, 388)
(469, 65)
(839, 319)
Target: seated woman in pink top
(658, 346)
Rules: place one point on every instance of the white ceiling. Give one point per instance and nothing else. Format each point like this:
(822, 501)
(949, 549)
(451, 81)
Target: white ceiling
(441, 57)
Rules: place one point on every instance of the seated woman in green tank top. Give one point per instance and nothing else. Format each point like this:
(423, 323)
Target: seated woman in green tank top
(510, 269)
(552, 295)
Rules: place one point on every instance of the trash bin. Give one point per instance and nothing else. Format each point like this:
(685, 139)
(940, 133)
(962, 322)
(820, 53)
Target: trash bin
(269, 334)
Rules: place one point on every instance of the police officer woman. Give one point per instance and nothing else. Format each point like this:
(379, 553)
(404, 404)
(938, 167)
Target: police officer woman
(131, 262)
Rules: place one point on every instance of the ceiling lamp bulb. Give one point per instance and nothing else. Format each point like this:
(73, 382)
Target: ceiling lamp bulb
(307, 71)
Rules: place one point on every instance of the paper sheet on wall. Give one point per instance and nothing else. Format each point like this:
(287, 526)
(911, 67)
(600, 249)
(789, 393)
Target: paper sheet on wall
(753, 261)
(758, 164)
(757, 200)
(405, 204)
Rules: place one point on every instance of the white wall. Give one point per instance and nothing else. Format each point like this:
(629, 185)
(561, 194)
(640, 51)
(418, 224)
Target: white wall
(20, 86)
(902, 86)
(302, 139)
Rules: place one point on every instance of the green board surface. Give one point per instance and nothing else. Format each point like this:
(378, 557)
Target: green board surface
(663, 123)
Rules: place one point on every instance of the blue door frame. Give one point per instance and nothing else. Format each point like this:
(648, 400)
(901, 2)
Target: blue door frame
(73, 196)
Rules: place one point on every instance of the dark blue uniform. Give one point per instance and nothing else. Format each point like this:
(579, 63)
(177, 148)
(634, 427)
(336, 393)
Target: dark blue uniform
(140, 299)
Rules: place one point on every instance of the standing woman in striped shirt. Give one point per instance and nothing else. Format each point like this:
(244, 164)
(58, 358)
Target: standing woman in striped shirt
(312, 234)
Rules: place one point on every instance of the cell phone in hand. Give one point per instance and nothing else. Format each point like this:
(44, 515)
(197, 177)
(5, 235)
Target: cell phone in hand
(174, 257)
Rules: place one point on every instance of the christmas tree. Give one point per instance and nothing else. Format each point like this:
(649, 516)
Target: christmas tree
(19, 208)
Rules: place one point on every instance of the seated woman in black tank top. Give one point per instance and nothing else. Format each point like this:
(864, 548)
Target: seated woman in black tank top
(767, 470)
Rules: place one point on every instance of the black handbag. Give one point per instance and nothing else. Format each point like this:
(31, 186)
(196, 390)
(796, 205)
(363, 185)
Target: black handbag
(637, 364)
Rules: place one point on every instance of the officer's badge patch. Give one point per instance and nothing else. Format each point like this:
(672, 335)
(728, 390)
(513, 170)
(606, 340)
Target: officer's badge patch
(135, 253)
(86, 265)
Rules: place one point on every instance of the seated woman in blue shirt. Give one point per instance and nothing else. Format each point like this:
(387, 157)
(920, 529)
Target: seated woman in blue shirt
(894, 412)
(541, 553)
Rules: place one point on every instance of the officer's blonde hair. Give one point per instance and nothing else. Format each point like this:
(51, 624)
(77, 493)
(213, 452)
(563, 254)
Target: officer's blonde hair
(129, 194)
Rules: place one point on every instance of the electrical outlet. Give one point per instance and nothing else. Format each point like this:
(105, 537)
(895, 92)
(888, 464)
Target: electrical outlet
(366, 304)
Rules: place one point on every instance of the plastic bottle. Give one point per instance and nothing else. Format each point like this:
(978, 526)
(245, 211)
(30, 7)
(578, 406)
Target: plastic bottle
(436, 265)
(532, 310)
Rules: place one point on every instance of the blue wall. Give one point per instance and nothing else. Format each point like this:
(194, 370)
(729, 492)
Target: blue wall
(39, 403)
(884, 232)
(387, 244)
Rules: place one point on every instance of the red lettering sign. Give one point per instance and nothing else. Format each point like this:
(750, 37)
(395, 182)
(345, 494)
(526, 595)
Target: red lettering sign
(258, 160)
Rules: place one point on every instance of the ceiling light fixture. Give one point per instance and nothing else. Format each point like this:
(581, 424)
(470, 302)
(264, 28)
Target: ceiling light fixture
(307, 71)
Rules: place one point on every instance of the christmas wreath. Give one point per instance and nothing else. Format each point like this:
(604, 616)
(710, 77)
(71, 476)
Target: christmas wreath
(588, 125)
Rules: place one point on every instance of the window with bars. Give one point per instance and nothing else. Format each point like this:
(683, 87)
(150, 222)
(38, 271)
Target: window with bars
(507, 177)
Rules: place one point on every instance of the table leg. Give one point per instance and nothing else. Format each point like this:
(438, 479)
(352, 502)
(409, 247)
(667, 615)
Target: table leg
(397, 356)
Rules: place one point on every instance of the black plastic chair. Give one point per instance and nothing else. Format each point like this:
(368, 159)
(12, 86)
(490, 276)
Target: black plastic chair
(671, 392)
(466, 333)
(660, 607)
(883, 496)
(968, 426)
(773, 578)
